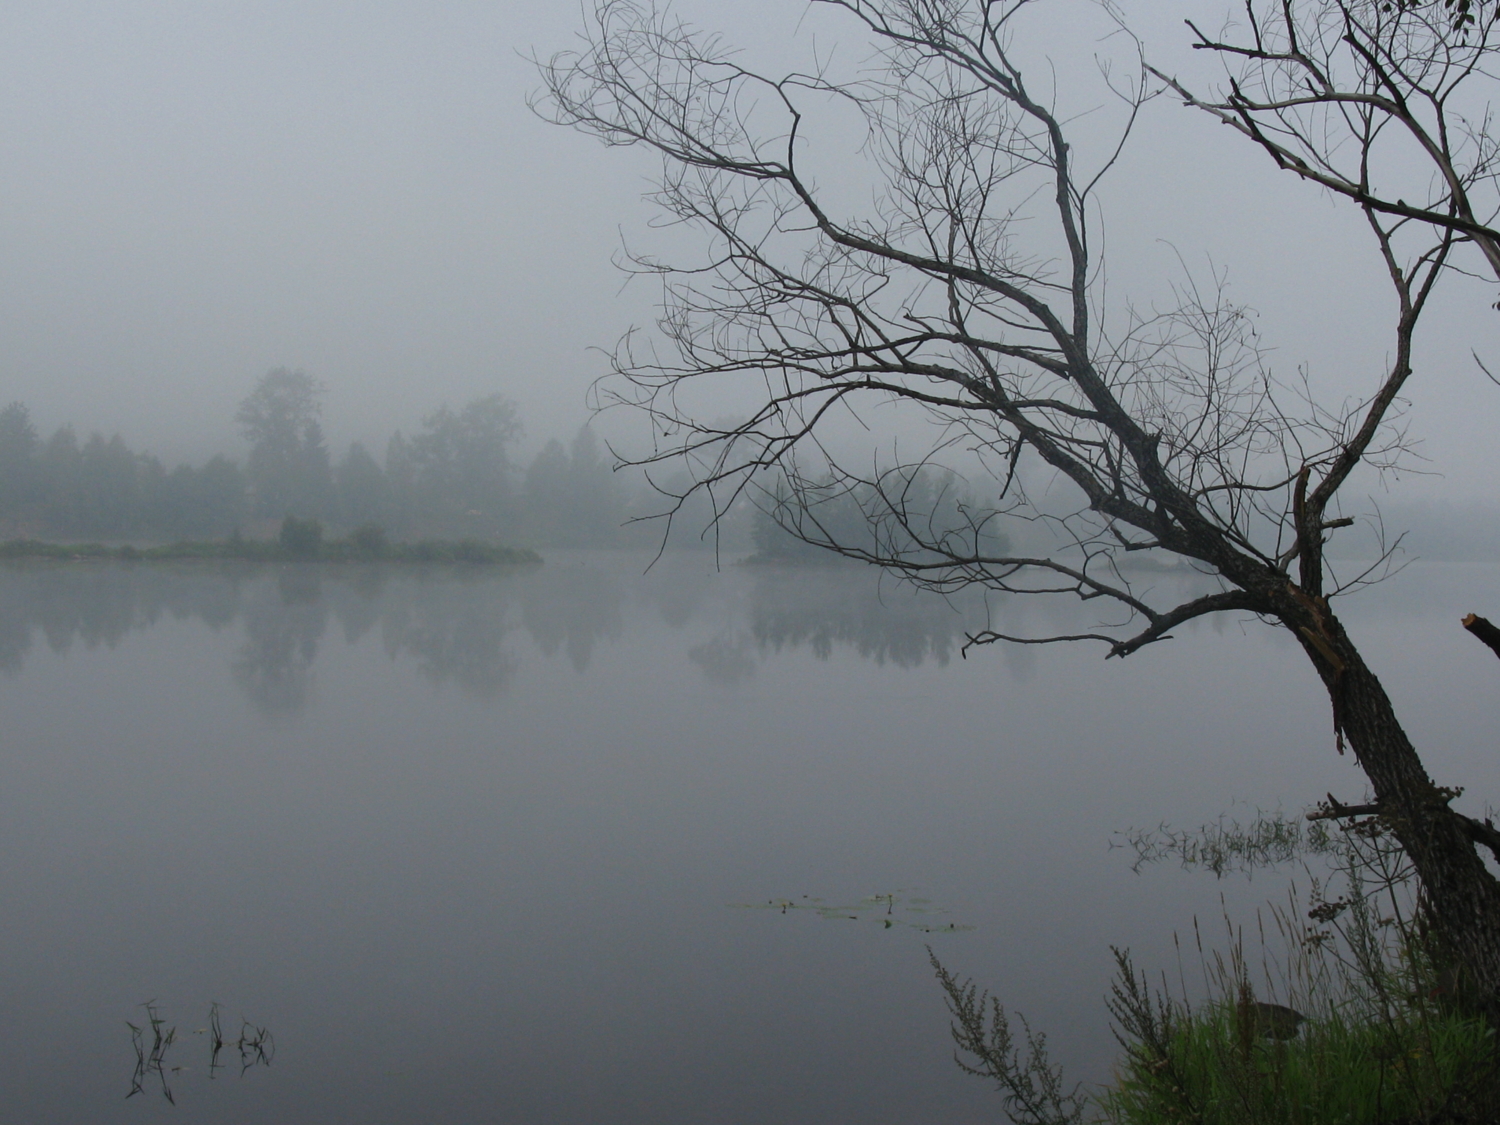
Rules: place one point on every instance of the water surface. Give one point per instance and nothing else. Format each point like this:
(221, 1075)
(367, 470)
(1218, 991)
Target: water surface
(483, 846)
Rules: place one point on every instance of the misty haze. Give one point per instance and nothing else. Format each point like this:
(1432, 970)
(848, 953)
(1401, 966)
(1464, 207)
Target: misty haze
(880, 560)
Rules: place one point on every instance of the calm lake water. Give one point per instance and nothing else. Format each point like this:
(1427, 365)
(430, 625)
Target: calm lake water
(512, 847)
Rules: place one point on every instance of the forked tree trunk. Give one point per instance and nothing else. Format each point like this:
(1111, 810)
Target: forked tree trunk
(1463, 898)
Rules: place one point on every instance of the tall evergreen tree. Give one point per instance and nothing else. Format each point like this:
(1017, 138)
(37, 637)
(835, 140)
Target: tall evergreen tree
(18, 469)
(462, 465)
(546, 495)
(288, 467)
(109, 492)
(62, 483)
(597, 505)
(364, 492)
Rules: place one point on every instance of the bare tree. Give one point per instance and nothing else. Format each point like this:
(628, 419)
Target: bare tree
(1384, 102)
(969, 294)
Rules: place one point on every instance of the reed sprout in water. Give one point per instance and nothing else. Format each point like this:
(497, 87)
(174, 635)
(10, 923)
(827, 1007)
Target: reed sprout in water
(255, 1046)
(152, 1060)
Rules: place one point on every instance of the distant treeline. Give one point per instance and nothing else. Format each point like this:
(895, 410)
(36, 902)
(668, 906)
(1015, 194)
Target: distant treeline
(452, 478)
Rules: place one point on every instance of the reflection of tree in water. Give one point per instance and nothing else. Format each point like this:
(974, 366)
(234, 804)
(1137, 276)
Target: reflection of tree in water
(15, 639)
(824, 607)
(99, 603)
(96, 605)
(283, 625)
(727, 659)
(677, 588)
(453, 623)
(358, 600)
(455, 630)
(571, 609)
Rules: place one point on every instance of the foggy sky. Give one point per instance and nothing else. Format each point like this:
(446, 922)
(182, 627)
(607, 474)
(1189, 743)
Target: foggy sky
(193, 193)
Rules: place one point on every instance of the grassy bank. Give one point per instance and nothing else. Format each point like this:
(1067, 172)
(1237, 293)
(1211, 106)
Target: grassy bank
(1351, 1013)
(1217, 1066)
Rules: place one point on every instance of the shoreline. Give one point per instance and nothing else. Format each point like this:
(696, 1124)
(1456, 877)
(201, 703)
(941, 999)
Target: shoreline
(462, 551)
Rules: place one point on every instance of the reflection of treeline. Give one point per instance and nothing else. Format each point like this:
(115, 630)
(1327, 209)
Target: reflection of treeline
(99, 606)
(852, 606)
(453, 623)
(453, 477)
(909, 514)
(457, 624)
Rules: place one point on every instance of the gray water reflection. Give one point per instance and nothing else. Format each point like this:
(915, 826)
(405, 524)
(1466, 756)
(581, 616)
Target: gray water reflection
(283, 624)
(472, 843)
(456, 626)
(828, 608)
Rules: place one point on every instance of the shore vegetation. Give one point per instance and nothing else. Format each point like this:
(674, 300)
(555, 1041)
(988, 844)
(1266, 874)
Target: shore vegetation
(1338, 1004)
(299, 541)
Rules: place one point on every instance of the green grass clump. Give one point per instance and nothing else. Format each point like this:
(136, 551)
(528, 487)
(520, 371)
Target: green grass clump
(1389, 1033)
(1215, 1068)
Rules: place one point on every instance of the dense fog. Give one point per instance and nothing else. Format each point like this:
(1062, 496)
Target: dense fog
(655, 561)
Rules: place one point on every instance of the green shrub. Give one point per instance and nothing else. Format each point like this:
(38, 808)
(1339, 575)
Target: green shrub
(369, 541)
(300, 539)
(1216, 1069)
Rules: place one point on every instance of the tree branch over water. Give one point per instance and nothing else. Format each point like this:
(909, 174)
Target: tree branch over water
(966, 302)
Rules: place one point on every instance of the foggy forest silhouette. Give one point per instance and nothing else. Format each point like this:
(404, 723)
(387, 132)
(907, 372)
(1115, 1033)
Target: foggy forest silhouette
(453, 476)
(456, 476)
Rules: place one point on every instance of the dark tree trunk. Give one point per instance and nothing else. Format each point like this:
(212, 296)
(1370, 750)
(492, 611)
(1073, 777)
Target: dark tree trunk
(1463, 898)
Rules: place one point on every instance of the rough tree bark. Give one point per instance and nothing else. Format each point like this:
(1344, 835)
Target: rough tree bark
(1462, 896)
(1354, 96)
